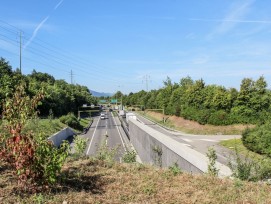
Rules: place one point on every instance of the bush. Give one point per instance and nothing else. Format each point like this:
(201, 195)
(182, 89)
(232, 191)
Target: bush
(219, 117)
(71, 121)
(34, 161)
(80, 145)
(199, 115)
(258, 139)
(129, 156)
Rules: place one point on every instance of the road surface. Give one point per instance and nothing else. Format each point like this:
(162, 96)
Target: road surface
(106, 131)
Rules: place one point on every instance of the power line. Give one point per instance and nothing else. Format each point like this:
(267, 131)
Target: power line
(58, 56)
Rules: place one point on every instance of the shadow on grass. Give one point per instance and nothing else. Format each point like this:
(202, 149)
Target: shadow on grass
(93, 184)
(81, 178)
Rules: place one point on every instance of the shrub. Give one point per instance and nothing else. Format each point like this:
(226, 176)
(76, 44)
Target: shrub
(129, 156)
(71, 121)
(34, 161)
(258, 139)
(219, 117)
(211, 154)
(80, 145)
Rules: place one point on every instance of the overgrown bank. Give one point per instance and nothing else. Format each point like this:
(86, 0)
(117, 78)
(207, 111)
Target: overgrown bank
(193, 127)
(94, 181)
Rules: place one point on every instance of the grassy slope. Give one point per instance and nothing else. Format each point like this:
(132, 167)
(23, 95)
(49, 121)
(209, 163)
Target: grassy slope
(193, 127)
(92, 181)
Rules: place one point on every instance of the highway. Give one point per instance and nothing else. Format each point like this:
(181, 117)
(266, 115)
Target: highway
(107, 131)
(200, 143)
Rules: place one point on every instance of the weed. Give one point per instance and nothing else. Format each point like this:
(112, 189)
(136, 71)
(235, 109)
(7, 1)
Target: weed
(107, 154)
(129, 156)
(39, 198)
(211, 154)
(241, 166)
(158, 155)
(175, 169)
(80, 145)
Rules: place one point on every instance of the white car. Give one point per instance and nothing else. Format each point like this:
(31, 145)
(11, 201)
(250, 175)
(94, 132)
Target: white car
(102, 116)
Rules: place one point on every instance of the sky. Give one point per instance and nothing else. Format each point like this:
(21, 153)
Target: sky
(130, 45)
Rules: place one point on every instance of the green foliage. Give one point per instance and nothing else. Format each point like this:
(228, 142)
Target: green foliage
(211, 154)
(71, 121)
(158, 152)
(129, 156)
(209, 104)
(49, 160)
(33, 159)
(107, 154)
(242, 167)
(80, 145)
(258, 139)
(175, 169)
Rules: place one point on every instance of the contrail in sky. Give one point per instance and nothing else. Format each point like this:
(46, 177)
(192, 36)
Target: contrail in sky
(40, 25)
(36, 31)
(228, 20)
(61, 1)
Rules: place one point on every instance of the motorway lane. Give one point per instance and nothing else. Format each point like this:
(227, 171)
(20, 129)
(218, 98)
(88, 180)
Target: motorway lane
(200, 143)
(106, 130)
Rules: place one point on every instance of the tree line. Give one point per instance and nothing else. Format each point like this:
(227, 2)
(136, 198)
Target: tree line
(208, 104)
(60, 97)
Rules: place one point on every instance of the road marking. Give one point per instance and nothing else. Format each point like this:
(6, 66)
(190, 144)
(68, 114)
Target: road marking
(93, 136)
(119, 133)
(187, 140)
(208, 140)
(188, 145)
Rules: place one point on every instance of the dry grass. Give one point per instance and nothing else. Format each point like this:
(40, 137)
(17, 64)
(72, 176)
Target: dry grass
(193, 127)
(90, 181)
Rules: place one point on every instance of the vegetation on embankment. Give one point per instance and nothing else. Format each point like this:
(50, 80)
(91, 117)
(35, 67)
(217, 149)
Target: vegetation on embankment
(208, 104)
(59, 97)
(192, 127)
(93, 181)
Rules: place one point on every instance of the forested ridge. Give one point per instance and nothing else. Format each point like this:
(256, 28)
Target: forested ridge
(60, 97)
(208, 104)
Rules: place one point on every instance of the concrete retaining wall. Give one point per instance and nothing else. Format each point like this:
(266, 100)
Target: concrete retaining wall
(58, 137)
(156, 148)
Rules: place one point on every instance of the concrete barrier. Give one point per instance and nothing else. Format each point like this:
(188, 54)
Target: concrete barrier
(156, 148)
(58, 137)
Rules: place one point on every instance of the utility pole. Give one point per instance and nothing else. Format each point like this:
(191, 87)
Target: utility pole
(21, 52)
(146, 78)
(71, 77)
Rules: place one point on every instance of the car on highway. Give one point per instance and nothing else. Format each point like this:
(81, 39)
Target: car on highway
(102, 116)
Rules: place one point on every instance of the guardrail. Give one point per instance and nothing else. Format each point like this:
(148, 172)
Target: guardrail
(124, 126)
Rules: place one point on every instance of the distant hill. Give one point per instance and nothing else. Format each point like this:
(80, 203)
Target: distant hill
(99, 94)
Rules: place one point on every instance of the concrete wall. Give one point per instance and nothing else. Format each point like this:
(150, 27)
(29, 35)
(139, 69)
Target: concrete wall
(156, 148)
(58, 137)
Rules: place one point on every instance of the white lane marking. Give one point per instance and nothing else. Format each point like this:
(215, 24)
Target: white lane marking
(187, 140)
(208, 140)
(93, 136)
(188, 145)
(119, 133)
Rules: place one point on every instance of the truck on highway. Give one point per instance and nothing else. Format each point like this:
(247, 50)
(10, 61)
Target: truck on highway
(122, 113)
(129, 116)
